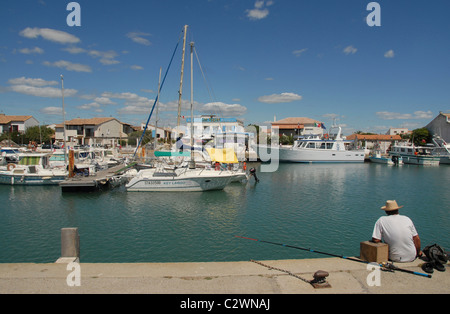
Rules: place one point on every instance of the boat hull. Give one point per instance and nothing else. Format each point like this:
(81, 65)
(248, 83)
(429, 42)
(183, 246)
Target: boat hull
(11, 179)
(291, 155)
(420, 160)
(381, 160)
(194, 183)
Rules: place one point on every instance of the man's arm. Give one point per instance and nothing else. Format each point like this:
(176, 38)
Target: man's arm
(416, 240)
(375, 240)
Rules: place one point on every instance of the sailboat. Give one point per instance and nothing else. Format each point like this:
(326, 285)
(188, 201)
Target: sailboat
(165, 177)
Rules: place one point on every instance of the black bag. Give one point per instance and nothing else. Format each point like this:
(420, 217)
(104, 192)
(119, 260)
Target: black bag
(435, 253)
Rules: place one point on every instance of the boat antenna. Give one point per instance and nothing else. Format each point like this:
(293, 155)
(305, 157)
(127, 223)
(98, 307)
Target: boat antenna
(386, 266)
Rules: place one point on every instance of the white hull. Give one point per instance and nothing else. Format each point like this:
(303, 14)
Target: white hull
(182, 180)
(299, 155)
(311, 156)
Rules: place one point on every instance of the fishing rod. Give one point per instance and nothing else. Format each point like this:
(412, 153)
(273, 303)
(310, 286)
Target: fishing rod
(387, 266)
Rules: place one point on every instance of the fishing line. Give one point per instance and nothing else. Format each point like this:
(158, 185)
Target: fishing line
(386, 266)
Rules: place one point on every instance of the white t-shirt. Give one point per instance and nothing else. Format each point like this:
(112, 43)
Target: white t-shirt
(398, 232)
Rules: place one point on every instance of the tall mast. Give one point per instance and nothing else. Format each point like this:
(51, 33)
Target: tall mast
(64, 120)
(192, 163)
(180, 92)
(157, 110)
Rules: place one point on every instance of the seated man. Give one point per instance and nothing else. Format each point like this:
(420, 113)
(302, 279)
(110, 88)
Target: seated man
(399, 233)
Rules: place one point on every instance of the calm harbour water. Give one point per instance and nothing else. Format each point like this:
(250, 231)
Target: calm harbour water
(327, 207)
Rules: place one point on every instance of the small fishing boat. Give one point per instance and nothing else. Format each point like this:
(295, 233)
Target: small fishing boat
(415, 155)
(32, 169)
(385, 159)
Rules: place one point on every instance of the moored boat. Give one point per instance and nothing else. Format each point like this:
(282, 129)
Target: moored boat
(385, 159)
(32, 169)
(415, 155)
(315, 149)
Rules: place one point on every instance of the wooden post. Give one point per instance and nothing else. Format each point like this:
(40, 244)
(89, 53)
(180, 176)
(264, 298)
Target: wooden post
(71, 163)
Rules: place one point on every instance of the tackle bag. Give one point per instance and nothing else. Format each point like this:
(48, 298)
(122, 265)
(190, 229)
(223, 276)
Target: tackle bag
(435, 253)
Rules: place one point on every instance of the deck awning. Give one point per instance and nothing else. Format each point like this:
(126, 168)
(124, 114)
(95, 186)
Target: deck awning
(223, 155)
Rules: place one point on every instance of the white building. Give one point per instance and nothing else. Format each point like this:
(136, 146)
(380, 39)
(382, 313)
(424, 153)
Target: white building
(102, 131)
(16, 123)
(397, 131)
(220, 133)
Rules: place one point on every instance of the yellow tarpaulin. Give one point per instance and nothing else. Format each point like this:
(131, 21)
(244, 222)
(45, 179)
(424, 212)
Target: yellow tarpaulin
(224, 155)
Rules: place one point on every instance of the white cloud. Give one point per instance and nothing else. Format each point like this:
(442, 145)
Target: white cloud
(138, 37)
(350, 50)
(133, 109)
(260, 10)
(136, 67)
(28, 51)
(105, 57)
(38, 87)
(127, 96)
(389, 54)
(50, 34)
(69, 66)
(298, 53)
(92, 106)
(386, 115)
(75, 50)
(279, 98)
(37, 82)
(104, 101)
(54, 111)
(49, 92)
(224, 110)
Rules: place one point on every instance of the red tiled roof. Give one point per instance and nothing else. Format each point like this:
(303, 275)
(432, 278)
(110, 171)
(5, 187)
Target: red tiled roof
(374, 137)
(4, 119)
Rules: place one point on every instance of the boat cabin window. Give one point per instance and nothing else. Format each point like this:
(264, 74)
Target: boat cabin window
(322, 146)
(329, 145)
(311, 145)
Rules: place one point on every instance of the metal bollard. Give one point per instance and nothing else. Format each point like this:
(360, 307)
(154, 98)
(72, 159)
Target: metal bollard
(70, 243)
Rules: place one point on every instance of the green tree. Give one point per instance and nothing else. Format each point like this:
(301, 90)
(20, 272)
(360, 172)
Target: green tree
(421, 136)
(39, 134)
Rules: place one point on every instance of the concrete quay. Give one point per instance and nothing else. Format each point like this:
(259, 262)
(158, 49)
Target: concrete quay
(243, 278)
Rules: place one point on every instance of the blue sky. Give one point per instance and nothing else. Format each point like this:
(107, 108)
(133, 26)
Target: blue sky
(261, 58)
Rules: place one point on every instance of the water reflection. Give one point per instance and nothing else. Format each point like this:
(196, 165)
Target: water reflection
(323, 206)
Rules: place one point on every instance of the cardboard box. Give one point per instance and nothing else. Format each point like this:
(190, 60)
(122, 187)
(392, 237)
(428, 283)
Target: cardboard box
(374, 252)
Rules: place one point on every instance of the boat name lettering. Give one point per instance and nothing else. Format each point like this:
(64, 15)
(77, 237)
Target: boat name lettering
(153, 182)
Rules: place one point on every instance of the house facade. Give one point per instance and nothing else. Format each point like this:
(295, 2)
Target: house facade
(381, 142)
(298, 126)
(161, 133)
(398, 131)
(440, 126)
(16, 123)
(94, 131)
